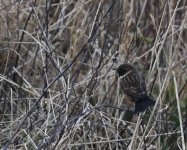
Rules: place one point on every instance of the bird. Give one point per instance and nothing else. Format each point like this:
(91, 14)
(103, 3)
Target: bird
(133, 86)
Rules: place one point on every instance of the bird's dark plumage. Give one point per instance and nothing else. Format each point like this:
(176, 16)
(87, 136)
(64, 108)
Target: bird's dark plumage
(134, 87)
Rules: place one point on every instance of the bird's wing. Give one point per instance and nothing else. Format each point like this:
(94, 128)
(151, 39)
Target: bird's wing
(136, 93)
(133, 86)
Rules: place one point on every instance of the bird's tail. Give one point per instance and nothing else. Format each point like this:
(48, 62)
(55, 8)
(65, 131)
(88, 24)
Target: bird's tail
(142, 104)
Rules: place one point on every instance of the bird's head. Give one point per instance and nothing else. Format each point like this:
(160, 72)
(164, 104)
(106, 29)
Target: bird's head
(123, 69)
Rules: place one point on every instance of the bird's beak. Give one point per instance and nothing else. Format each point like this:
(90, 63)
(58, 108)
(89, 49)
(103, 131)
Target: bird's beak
(115, 69)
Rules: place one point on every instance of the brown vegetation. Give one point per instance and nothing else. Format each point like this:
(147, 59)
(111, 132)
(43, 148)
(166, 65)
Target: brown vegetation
(57, 86)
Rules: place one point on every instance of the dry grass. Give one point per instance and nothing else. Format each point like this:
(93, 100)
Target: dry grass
(57, 86)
